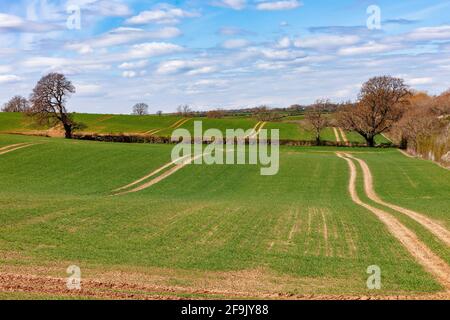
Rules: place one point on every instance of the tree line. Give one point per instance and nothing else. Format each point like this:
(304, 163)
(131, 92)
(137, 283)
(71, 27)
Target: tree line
(384, 104)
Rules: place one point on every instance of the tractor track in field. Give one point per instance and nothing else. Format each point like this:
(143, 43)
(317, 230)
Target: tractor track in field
(257, 129)
(343, 135)
(119, 290)
(15, 147)
(153, 173)
(336, 134)
(434, 227)
(422, 254)
(177, 164)
(174, 126)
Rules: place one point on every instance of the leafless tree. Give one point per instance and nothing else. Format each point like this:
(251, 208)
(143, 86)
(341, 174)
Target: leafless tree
(264, 113)
(316, 116)
(423, 120)
(215, 114)
(381, 103)
(184, 110)
(16, 104)
(48, 101)
(140, 109)
(159, 113)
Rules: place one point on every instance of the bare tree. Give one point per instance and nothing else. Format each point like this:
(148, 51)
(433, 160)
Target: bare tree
(140, 109)
(184, 110)
(16, 104)
(316, 115)
(48, 101)
(380, 104)
(264, 113)
(159, 113)
(215, 114)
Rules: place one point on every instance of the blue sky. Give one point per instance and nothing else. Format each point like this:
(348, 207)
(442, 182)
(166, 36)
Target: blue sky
(220, 53)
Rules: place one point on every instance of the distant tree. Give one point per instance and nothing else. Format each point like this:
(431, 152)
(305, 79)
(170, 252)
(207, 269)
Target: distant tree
(316, 116)
(380, 104)
(264, 113)
(215, 114)
(140, 109)
(48, 102)
(16, 104)
(159, 113)
(184, 110)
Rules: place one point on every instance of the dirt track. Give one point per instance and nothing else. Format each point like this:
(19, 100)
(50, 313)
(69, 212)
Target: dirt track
(184, 162)
(336, 134)
(423, 255)
(15, 147)
(434, 227)
(343, 135)
(175, 125)
(152, 173)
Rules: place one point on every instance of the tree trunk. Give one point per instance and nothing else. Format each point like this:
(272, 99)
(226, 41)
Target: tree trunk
(404, 143)
(318, 142)
(68, 130)
(370, 141)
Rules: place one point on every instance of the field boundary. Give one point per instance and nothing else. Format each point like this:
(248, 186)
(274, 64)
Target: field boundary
(143, 138)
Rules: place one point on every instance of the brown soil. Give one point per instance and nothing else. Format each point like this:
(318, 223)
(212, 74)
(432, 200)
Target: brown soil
(119, 289)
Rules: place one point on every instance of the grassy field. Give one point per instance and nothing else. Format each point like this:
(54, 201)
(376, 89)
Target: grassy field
(215, 227)
(291, 128)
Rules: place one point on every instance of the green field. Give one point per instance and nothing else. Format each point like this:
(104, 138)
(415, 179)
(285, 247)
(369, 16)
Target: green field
(297, 232)
(291, 128)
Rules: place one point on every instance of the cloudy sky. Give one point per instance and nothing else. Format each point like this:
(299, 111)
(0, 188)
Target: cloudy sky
(220, 53)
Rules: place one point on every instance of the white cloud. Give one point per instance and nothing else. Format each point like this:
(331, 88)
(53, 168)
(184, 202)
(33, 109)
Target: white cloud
(284, 43)
(162, 15)
(279, 5)
(5, 69)
(14, 23)
(129, 74)
(9, 78)
(150, 49)
(107, 8)
(134, 65)
(430, 33)
(273, 54)
(190, 67)
(367, 48)
(121, 36)
(233, 4)
(235, 43)
(326, 41)
(419, 81)
(86, 90)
